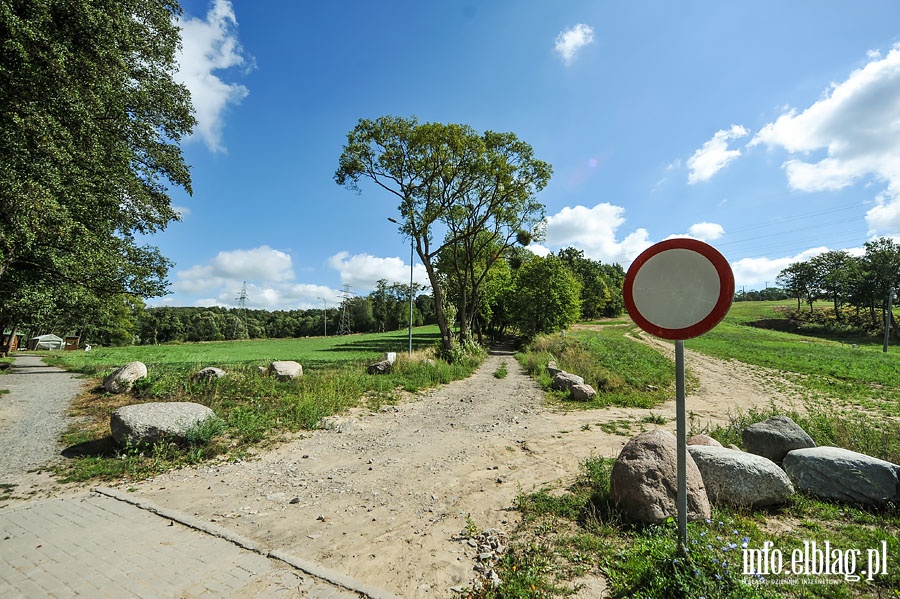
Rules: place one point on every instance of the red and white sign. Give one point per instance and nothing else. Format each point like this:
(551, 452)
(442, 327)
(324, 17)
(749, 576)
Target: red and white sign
(678, 289)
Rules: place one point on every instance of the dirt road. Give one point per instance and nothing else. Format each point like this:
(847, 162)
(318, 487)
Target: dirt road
(383, 495)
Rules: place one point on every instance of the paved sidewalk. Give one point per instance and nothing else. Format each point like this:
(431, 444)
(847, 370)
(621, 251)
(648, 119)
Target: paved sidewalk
(106, 544)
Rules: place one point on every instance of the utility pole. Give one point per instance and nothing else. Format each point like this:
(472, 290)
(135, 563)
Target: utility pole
(324, 316)
(887, 319)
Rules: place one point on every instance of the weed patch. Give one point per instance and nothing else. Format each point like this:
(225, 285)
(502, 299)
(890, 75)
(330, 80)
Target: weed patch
(622, 371)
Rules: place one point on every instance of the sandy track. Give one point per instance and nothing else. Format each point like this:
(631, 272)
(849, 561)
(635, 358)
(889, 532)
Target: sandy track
(381, 495)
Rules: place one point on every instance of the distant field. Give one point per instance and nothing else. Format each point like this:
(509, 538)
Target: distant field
(857, 373)
(311, 352)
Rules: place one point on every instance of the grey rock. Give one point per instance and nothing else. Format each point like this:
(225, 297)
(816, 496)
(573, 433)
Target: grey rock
(583, 392)
(836, 473)
(209, 373)
(148, 423)
(553, 369)
(774, 437)
(739, 478)
(122, 379)
(285, 370)
(643, 481)
(383, 367)
(703, 440)
(564, 381)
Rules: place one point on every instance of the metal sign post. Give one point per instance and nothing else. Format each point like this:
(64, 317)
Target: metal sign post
(679, 289)
(681, 439)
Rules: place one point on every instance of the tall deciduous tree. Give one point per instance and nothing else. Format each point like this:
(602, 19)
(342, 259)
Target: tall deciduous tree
(481, 188)
(832, 271)
(90, 120)
(799, 279)
(545, 296)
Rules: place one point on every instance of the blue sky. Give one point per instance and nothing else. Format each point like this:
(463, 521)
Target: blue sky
(770, 130)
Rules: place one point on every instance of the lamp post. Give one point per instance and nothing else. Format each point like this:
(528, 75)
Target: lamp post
(324, 315)
(410, 285)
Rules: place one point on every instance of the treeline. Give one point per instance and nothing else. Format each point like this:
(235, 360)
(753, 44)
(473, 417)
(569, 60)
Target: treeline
(595, 291)
(861, 287)
(521, 294)
(385, 309)
(765, 295)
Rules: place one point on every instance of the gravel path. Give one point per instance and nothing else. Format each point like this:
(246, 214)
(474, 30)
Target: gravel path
(32, 416)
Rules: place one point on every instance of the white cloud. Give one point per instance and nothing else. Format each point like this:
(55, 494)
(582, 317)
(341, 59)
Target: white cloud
(714, 155)
(706, 231)
(756, 273)
(885, 216)
(363, 271)
(594, 230)
(227, 271)
(210, 46)
(857, 126)
(284, 297)
(571, 41)
(259, 264)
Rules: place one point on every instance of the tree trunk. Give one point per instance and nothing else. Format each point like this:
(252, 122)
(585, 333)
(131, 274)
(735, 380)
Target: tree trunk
(463, 315)
(446, 335)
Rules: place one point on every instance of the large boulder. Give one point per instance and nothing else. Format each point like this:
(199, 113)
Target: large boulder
(285, 370)
(208, 374)
(836, 473)
(583, 392)
(553, 369)
(644, 484)
(564, 381)
(703, 440)
(383, 367)
(123, 378)
(739, 478)
(147, 423)
(774, 437)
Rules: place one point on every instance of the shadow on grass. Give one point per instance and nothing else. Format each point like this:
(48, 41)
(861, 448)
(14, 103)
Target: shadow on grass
(382, 345)
(98, 448)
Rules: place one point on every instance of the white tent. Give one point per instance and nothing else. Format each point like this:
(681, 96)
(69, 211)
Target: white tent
(45, 342)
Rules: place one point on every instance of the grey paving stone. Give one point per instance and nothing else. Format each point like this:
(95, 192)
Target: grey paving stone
(97, 545)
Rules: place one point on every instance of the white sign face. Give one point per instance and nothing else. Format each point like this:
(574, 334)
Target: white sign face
(676, 289)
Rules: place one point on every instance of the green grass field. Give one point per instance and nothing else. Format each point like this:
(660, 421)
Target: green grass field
(253, 408)
(312, 352)
(850, 374)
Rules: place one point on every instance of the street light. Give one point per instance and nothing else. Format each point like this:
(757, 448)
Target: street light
(324, 315)
(410, 285)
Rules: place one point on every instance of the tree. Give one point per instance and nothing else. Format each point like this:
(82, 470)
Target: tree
(448, 174)
(799, 279)
(881, 265)
(545, 296)
(595, 292)
(91, 120)
(831, 273)
(475, 284)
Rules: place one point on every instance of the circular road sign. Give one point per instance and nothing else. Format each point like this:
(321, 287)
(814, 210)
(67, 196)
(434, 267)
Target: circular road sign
(678, 289)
